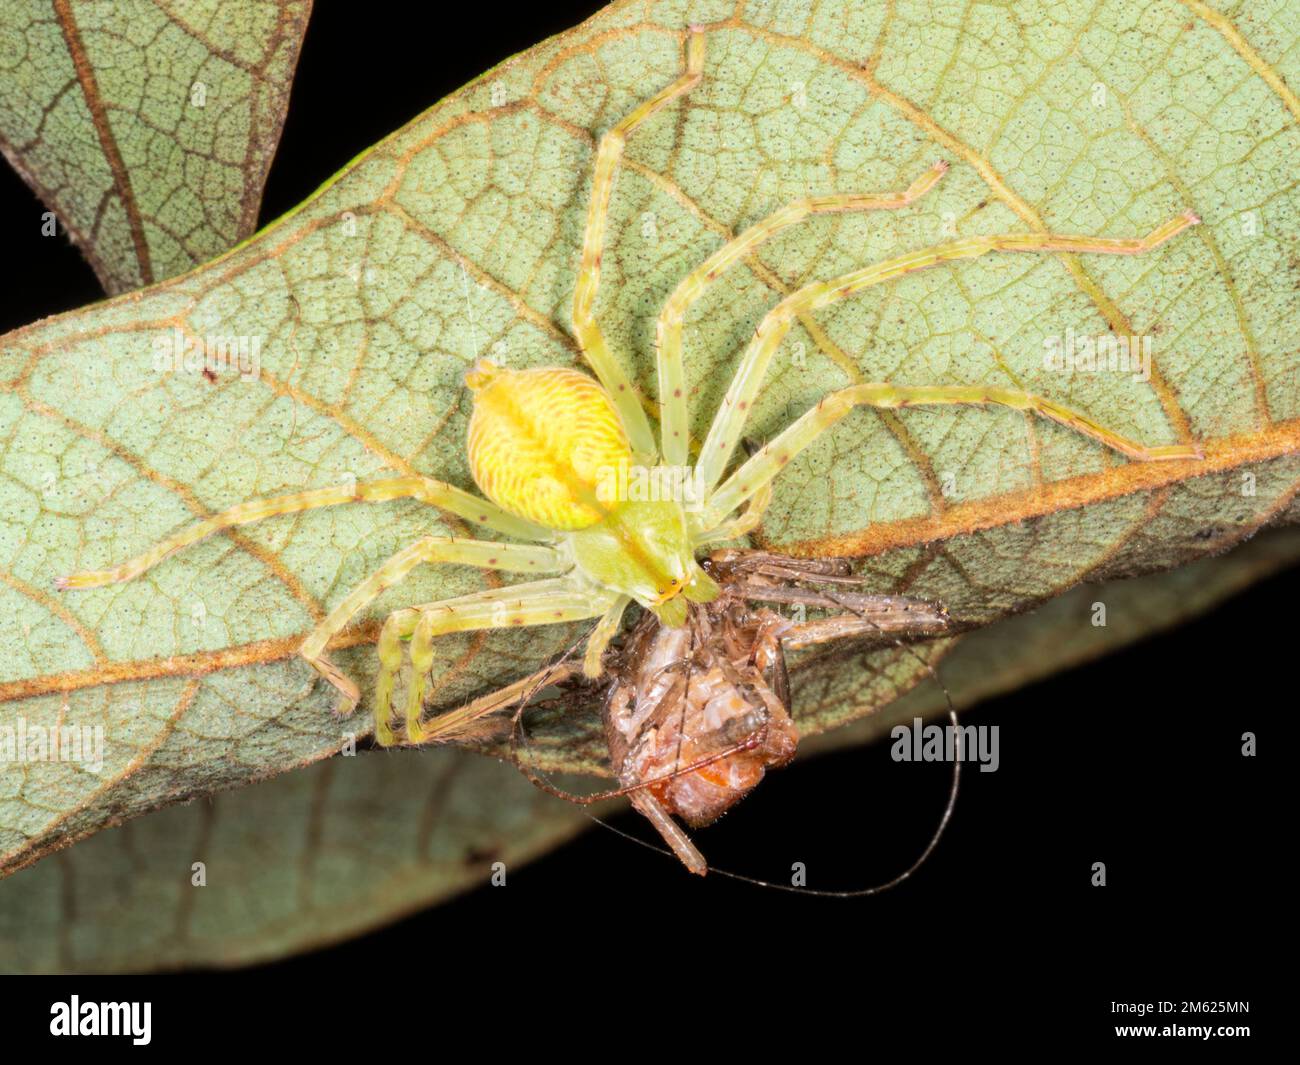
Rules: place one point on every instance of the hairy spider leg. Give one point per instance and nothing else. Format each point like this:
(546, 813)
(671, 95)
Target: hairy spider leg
(769, 460)
(590, 337)
(725, 431)
(674, 417)
(547, 602)
(485, 554)
(425, 489)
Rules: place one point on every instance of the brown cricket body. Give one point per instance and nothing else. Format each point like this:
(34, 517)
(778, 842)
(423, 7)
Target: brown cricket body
(695, 715)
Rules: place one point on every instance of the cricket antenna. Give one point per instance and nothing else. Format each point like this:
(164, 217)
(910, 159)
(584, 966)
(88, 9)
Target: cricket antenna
(954, 788)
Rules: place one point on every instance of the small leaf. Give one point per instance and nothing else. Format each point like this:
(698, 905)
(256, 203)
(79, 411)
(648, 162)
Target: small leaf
(343, 333)
(147, 127)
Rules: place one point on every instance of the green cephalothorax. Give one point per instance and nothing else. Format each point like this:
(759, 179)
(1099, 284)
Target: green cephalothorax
(643, 550)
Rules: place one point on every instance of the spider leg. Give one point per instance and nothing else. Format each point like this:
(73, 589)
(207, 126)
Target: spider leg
(742, 525)
(759, 471)
(547, 602)
(601, 636)
(531, 558)
(425, 489)
(674, 416)
(726, 428)
(463, 721)
(590, 338)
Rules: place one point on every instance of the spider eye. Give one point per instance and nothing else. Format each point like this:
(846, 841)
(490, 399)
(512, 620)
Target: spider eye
(674, 586)
(667, 593)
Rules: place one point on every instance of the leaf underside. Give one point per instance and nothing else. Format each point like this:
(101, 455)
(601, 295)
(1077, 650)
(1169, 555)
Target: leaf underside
(308, 858)
(458, 237)
(147, 127)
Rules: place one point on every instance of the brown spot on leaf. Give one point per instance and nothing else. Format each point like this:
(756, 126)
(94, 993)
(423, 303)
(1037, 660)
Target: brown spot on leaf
(480, 855)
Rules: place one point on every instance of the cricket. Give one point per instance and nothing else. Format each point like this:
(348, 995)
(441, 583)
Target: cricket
(698, 701)
(696, 714)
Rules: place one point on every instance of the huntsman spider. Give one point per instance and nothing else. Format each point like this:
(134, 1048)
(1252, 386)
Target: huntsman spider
(541, 442)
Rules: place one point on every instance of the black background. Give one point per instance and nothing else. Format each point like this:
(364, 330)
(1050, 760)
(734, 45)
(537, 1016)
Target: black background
(1134, 761)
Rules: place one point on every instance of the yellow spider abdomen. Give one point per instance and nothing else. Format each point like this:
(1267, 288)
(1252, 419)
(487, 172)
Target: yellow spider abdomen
(545, 444)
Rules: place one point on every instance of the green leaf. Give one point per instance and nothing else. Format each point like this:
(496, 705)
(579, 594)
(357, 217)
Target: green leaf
(1063, 634)
(308, 858)
(458, 236)
(296, 862)
(147, 127)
